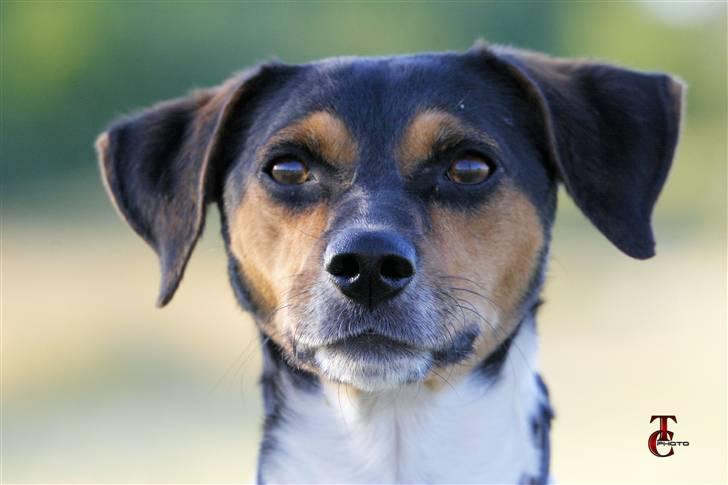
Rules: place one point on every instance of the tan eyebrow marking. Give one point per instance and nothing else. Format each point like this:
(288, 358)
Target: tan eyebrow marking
(322, 133)
(426, 131)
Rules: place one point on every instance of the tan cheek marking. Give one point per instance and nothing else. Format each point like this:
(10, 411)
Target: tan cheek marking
(497, 248)
(272, 245)
(428, 129)
(323, 133)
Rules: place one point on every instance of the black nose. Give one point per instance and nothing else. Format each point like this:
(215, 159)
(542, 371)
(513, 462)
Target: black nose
(370, 266)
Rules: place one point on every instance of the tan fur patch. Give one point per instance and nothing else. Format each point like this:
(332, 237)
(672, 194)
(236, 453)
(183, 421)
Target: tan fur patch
(323, 133)
(426, 131)
(102, 145)
(275, 247)
(278, 250)
(486, 259)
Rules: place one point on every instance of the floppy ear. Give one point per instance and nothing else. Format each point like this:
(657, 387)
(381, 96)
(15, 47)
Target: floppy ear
(611, 133)
(160, 168)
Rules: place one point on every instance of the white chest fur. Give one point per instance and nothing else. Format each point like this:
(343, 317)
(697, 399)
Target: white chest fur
(474, 430)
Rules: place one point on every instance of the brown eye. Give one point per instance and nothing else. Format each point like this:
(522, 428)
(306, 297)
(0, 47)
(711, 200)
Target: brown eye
(470, 170)
(289, 172)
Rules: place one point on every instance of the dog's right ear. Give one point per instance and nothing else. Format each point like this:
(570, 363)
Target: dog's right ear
(160, 166)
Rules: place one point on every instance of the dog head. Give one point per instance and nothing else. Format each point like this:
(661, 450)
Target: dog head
(388, 217)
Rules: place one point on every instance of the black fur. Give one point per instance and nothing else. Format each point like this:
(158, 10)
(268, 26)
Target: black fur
(163, 165)
(541, 428)
(607, 133)
(611, 133)
(540, 432)
(490, 367)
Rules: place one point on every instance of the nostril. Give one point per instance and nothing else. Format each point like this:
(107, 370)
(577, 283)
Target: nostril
(396, 267)
(344, 265)
(369, 266)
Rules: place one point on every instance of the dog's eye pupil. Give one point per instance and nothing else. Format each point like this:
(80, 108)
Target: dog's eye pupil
(470, 170)
(289, 172)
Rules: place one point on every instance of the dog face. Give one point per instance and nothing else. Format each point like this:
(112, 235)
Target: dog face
(388, 219)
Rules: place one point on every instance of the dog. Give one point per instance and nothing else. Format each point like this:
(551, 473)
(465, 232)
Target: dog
(387, 224)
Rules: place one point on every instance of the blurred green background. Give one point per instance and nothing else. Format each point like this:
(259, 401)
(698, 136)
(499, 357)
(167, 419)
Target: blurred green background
(99, 386)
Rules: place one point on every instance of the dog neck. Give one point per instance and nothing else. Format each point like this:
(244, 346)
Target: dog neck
(490, 426)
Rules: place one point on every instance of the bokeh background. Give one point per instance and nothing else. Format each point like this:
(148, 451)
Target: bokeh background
(99, 386)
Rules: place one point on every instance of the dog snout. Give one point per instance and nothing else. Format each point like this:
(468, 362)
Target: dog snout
(370, 266)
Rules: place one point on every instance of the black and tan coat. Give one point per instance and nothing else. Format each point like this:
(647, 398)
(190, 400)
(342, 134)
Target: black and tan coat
(387, 222)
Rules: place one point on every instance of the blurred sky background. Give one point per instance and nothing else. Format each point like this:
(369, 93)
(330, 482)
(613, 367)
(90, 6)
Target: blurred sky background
(99, 386)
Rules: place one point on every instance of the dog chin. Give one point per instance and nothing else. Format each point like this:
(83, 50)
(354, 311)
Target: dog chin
(373, 367)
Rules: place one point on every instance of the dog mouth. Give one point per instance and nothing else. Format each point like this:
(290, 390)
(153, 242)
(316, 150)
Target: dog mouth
(397, 343)
(374, 362)
(373, 344)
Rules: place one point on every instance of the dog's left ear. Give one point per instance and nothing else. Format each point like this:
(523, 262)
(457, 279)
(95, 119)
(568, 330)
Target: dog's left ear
(611, 134)
(160, 166)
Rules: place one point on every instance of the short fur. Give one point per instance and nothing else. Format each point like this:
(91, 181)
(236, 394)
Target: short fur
(437, 383)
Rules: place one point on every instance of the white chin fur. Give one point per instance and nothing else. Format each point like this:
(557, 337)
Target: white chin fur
(373, 374)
